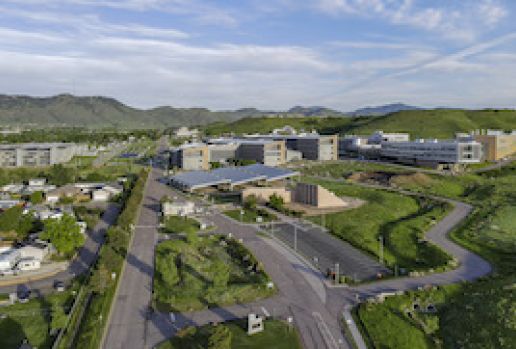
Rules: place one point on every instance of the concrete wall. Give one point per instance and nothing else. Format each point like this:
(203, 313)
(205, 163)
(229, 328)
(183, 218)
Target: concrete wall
(263, 194)
(315, 195)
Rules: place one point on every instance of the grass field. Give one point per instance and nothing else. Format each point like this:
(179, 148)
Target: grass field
(250, 216)
(199, 266)
(177, 224)
(32, 321)
(401, 220)
(276, 335)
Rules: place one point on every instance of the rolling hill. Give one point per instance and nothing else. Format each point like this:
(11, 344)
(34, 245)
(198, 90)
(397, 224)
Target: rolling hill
(68, 110)
(100, 112)
(438, 123)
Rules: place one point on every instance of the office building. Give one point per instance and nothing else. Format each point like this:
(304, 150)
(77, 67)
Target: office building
(496, 144)
(190, 157)
(433, 151)
(311, 145)
(38, 154)
(267, 152)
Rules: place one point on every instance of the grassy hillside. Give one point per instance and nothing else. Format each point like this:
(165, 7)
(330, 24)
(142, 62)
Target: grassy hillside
(102, 112)
(68, 110)
(439, 123)
(267, 124)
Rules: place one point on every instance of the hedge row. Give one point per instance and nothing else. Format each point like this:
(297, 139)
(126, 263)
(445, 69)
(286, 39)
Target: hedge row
(110, 261)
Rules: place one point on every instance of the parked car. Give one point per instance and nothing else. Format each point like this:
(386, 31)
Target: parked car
(59, 286)
(24, 296)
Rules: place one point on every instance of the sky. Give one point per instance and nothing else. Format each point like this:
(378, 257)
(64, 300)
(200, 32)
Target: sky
(268, 54)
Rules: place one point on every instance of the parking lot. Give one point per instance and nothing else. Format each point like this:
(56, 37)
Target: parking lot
(324, 251)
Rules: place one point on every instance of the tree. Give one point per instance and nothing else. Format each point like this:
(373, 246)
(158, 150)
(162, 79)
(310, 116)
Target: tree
(58, 320)
(118, 239)
(220, 272)
(168, 270)
(60, 175)
(250, 202)
(36, 197)
(63, 233)
(276, 202)
(100, 279)
(10, 218)
(25, 226)
(191, 237)
(220, 338)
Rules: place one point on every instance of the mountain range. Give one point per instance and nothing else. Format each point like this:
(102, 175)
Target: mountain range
(100, 112)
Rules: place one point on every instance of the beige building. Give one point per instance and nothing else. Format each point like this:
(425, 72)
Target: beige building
(191, 157)
(304, 193)
(263, 194)
(312, 146)
(269, 153)
(497, 145)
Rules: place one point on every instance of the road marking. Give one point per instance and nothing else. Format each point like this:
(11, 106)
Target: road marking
(146, 226)
(325, 332)
(265, 312)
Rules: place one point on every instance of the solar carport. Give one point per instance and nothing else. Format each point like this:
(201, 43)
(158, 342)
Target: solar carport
(230, 176)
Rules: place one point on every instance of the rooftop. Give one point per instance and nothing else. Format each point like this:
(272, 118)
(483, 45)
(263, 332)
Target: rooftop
(231, 175)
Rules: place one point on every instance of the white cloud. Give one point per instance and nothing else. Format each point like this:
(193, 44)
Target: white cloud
(458, 21)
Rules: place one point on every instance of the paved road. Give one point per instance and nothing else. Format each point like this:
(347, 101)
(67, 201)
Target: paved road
(497, 165)
(471, 266)
(301, 291)
(87, 255)
(315, 308)
(128, 323)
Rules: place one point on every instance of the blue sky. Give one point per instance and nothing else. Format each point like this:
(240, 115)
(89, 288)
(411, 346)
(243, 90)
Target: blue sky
(269, 54)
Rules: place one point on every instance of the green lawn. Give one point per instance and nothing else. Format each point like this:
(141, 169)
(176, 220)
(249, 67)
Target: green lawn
(250, 216)
(177, 224)
(31, 320)
(400, 219)
(276, 335)
(471, 315)
(344, 168)
(188, 274)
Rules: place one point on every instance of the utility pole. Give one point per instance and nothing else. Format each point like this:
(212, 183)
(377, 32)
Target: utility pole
(380, 254)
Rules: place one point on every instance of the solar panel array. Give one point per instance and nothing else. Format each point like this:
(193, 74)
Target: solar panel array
(230, 175)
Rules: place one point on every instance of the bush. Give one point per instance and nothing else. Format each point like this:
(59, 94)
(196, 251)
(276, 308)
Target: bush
(220, 338)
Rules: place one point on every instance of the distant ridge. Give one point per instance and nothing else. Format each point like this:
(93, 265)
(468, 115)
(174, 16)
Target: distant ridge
(383, 109)
(101, 112)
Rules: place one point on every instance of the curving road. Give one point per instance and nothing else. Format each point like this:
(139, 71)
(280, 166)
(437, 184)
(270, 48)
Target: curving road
(316, 309)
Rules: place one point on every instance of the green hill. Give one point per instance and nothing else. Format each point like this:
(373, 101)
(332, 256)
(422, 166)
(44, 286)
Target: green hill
(101, 112)
(98, 112)
(438, 123)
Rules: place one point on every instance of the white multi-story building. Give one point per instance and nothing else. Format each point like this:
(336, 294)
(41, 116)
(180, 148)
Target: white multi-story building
(433, 151)
(38, 154)
(380, 136)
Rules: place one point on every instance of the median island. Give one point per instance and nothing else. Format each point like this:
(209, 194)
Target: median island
(196, 273)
